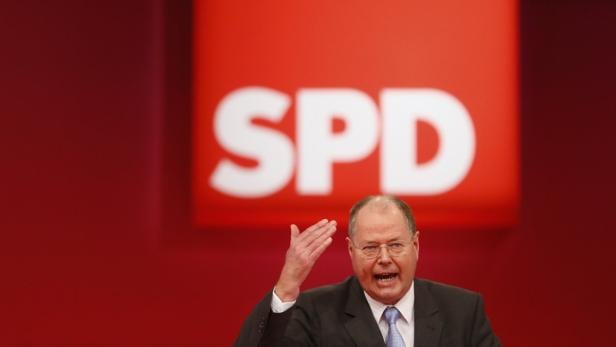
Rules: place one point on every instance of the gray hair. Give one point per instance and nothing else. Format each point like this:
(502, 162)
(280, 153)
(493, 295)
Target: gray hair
(401, 205)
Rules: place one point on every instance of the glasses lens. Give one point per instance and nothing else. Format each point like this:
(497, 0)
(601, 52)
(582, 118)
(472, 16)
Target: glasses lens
(396, 248)
(371, 251)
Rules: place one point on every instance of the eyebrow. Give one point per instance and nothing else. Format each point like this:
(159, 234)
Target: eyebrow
(397, 239)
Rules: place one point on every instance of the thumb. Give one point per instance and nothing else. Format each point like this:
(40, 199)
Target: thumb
(294, 231)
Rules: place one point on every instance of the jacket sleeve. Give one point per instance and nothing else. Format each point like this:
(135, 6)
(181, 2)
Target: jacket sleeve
(263, 327)
(482, 335)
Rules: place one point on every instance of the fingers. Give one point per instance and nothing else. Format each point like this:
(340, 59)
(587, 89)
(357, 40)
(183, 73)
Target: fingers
(319, 236)
(321, 241)
(317, 240)
(306, 243)
(311, 233)
(316, 230)
(313, 228)
(321, 248)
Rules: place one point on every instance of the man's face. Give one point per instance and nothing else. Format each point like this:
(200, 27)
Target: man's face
(385, 278)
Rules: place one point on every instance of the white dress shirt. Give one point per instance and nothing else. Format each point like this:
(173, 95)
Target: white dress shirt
(278, 306)
(405, 324)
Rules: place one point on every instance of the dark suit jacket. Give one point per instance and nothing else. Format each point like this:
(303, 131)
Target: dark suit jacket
(339, 315)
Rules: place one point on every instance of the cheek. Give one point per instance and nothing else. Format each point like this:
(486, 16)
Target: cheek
(407, 265)
(359, 266)
(365, 268)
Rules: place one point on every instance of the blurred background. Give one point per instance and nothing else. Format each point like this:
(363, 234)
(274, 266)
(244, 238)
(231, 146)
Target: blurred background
(97, 240)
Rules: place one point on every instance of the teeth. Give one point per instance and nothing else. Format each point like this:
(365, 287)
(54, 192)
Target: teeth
(385, 277)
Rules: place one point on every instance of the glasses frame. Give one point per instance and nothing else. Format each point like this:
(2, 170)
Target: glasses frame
(388, 246)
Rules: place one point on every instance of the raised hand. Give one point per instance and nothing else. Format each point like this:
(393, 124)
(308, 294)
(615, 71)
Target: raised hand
(305, 248)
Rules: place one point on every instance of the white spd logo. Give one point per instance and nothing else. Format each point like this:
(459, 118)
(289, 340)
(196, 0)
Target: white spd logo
(392, 123)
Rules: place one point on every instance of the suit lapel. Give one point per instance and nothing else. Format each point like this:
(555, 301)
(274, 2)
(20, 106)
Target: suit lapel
(361, 325)
(428, 322)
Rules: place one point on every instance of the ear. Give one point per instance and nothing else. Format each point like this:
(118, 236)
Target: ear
(349, 246)
(416, 243)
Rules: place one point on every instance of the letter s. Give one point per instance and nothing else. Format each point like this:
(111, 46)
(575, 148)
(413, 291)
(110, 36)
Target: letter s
(235, 133)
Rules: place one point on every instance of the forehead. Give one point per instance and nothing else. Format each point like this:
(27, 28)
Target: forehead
(380, 222)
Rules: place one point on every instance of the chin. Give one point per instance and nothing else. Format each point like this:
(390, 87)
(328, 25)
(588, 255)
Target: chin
(387, 297)
(390, 300)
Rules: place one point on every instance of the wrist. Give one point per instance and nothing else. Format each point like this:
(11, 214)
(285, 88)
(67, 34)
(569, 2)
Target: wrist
(286, 293)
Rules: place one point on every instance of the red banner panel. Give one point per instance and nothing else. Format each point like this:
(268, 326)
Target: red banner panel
(303, 107)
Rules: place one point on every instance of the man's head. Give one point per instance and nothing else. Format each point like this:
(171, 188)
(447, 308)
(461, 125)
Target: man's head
(384, 247)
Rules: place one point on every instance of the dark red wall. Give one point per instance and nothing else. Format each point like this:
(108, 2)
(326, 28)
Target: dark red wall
(95, 237)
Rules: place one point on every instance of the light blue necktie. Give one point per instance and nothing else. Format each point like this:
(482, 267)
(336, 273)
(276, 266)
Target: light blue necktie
(394, 339)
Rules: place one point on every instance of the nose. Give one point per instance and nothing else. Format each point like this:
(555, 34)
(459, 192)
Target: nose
(384, 256)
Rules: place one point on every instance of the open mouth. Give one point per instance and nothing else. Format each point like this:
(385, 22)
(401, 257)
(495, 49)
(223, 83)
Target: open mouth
(386, 277)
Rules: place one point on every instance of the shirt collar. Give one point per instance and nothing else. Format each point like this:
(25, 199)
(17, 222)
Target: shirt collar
(404, 305)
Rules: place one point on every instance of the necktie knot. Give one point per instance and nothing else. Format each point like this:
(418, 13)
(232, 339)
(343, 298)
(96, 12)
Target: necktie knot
(391, 315)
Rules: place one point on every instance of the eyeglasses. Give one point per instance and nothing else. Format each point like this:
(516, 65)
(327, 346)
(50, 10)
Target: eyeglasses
(394, 249)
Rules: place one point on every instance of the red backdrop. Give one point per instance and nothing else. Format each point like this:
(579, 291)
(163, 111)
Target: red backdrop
(468, 50)
(95, 236)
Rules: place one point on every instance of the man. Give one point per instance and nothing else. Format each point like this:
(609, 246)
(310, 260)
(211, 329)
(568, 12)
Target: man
(382, 305)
